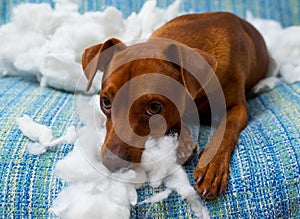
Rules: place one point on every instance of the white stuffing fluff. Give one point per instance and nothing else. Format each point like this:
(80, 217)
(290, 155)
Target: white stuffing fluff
(95, 192)
(41, 135)
(284, 48)
(157, 197)
(50, 46)
(34, 131)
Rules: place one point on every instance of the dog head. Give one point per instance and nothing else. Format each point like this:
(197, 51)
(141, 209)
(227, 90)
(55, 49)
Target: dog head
(145, 92)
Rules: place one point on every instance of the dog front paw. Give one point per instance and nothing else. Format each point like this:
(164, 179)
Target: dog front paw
(186, 147)
(211, 180)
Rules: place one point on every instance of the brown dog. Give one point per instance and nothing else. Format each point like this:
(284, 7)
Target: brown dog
(233, 49)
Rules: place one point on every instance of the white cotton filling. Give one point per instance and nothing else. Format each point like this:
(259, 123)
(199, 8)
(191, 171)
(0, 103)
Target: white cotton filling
(34, 131)
(158, 154)
(36, 148)
(50, 46)
(284, 63)
(93, 191)
(41, 135)
(157, 197)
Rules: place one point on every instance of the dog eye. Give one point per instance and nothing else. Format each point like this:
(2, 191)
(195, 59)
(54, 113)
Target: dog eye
(153, 108)
(106, 104)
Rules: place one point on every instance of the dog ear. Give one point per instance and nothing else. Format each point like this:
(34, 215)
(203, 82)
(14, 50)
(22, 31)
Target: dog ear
(196, 66)
(94, 59)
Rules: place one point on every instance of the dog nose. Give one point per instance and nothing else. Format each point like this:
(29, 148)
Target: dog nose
(115, 162)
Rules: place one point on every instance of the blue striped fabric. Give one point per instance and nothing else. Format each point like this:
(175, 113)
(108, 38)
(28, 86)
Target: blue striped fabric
(28, 184)
(287, 12)
(264, 180)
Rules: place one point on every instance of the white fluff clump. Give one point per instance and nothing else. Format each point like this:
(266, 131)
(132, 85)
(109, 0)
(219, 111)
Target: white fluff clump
(34, 131)
(42, 136)
(158, 154)
(49, 47)
(285, 62)
(93, 191)
(159, 161)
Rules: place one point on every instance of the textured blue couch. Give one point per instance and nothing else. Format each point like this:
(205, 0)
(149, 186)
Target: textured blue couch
(264, 180)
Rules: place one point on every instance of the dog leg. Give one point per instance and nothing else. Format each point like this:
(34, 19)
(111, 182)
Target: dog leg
(186, 146)
(211, 172)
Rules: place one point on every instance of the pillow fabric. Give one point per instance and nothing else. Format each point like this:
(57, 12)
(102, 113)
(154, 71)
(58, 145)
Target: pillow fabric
(264, 175)
(281, 10)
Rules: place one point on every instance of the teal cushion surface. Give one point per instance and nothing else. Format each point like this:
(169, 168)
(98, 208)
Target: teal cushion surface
(286, 12)
(264, 180)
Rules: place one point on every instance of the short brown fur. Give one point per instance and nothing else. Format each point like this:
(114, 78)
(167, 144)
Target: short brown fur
(233, 48)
